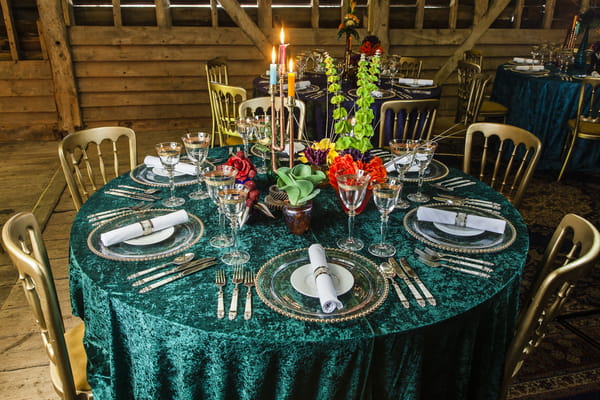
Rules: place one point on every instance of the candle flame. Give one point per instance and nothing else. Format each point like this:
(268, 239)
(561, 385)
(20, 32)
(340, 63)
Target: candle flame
(291, 65)
(273, 55)
(282, 36)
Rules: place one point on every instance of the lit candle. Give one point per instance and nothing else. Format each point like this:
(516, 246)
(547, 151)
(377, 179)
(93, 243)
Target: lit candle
(282, 47)
(273, 69)
(291, 80)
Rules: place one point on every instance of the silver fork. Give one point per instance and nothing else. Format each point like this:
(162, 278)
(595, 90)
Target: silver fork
(248, 282)
(146, 191)
(435, 258)
(447, 255)
(220, 281)
(116, 210)
(237, 278)
(454, 267)
(101, 219)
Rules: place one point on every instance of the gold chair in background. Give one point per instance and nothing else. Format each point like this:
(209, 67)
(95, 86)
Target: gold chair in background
(586, 125)
(473, 56)
(226, 100)
(508, 159)
(569, 256)
(85, 171)
(252, 106)
(412, 119)
(409, 67)
(216, 71)
(464, 72)
(23, 242)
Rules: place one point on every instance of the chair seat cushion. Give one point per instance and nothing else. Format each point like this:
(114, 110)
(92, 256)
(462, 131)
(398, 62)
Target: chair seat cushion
(587, 130)
(77, 358)
(491, 107)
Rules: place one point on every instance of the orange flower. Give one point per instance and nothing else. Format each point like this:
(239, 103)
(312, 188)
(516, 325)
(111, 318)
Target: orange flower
(346, 165)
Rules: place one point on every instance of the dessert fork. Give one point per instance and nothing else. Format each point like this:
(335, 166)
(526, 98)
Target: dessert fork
(435, 258)
(220, 281)
(454, 267)
(237, 278)
(446, 255)
(248, 282)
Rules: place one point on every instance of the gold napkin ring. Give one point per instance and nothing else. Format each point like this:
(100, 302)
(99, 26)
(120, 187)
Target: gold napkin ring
(147, 227)
(320, 271)
(461, 219)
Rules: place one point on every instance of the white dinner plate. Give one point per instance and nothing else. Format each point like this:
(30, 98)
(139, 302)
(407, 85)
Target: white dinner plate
(155, 237)
(457, 230)
(303, 280)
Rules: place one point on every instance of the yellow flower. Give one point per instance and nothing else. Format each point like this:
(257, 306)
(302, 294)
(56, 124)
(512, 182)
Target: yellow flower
(327, 144)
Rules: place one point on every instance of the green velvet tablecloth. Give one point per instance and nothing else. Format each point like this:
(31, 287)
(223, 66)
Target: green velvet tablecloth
(168, 343)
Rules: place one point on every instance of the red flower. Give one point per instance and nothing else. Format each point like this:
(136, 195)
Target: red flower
(346, 165)
(246, 170)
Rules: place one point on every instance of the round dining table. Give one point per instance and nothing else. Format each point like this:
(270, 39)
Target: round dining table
(169, 344)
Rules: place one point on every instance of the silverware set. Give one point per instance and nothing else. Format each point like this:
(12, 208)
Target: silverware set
(450, 184)
(136, 195)
(317, 94)
(172, 274)
(239, 277)
(100, 217)
(404, 271)
(459, 201)
(437, 259)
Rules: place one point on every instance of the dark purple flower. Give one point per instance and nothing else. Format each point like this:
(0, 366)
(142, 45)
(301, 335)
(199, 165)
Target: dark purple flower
(316, 156)
(357, 155)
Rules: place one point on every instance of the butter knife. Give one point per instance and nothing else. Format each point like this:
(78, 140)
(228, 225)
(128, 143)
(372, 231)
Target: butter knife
(412, 274)
(176, 269)
(402, 275)
(180, 275)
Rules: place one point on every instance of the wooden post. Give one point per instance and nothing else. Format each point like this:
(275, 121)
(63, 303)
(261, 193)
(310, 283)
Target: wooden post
(163, 13)
(10, 30)
(314, 14)
(549, 14)
(265, 17)
(420, 14)
(518, 13)
(241, 18)
(453, 14)
(68, 13)
(214, 13)
(379, 21)
(480, 8)
(117, 15)
(54, 32)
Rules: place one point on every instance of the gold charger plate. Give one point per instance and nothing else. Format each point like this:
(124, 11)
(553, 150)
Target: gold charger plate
(386, 94)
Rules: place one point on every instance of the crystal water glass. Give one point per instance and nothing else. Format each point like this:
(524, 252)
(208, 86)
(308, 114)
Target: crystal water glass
(169, 154)
(352, 189)
(233, 204)
(404, 152)
(197, 146)
(424, 152)
(220, 178)
(385, 196)
(262, 132)
(245, 128)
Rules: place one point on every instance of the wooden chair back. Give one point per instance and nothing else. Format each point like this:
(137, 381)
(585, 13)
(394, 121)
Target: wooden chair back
(216, 71)
(464, 74)
(409, 67)
(411, 119)
(508, 159)
(262, 105)
(569, 256)
(23, 242)
(226, 100)
(86, 170)
(473, 56)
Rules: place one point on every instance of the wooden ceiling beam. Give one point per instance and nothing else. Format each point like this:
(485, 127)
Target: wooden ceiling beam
(241, 18)
(9, 24)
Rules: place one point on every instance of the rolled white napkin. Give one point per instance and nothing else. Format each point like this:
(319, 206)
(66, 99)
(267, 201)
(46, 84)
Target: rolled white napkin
(300, 85)
(417, 82)
(391, 167)
(377, 93)
(529, 68)
(154, 162)
(470, 221)
(521, 60)
(325, 288)
(135, 230)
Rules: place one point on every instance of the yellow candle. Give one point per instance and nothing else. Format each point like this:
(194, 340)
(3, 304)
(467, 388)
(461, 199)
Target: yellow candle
(291, 80)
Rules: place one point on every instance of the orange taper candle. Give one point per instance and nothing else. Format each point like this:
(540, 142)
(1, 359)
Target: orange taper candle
(291, 80)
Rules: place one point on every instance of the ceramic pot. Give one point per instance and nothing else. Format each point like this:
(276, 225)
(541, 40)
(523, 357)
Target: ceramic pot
(297, 218)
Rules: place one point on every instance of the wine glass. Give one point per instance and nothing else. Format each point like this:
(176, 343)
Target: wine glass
(404, 152)
(222, 177)
(196, 147)
(245, 126)
(424, 152)
(352, 189)
(393, 69)
(385, 196)
(169, 153)
(233, 203)
(262, 131)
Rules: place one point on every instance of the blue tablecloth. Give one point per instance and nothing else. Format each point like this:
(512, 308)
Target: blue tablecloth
(543, 105)
(169, 344)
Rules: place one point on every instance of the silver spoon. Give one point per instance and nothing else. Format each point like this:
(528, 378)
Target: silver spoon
(389, 273)
(182, 259)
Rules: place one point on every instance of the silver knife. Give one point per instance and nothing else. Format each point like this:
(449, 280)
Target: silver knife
(180, 275)
(467, 271)
(178, 268)
(470, 264)
(139, 194)
(451, 186)
(404, 277)
(412, 274)
(129, 196)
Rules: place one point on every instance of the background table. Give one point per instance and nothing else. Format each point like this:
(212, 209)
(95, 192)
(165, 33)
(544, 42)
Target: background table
(169, 344)
(543, 105)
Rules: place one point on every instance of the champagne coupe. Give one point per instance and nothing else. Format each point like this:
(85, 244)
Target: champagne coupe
(196, 147)
(262, 125)
(169, 153)
(404, 152)
(352, 189)
(385, 196)
(245, 127)
(233, 203)
(424, 152)
(222, 177)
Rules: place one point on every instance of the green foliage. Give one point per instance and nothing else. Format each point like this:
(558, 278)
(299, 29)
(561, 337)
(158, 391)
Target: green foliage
(299, 183)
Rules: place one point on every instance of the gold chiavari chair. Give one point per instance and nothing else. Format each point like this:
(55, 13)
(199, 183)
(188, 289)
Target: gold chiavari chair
(216, 71)
(508, 159)
(23, 242)
(473, 56)
(465, 72)
(569, 256)
(409, 67)
(87, 170)
(262, 105)
(411, 119)
(226, 100)
(586, 125)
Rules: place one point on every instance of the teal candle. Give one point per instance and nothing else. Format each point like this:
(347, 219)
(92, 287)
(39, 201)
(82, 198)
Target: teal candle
(273, 74)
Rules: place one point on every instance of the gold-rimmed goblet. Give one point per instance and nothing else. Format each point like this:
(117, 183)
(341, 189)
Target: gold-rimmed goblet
(196, 146)
(245, 128)
(404, 152)
(424, 152)
(169, 154)
(262, 132)
(352, 189)
(385, 196)
(233, 204)
(217, 179)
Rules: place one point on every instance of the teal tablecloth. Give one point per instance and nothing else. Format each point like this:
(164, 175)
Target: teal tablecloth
(543, 105)
(168, 344)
